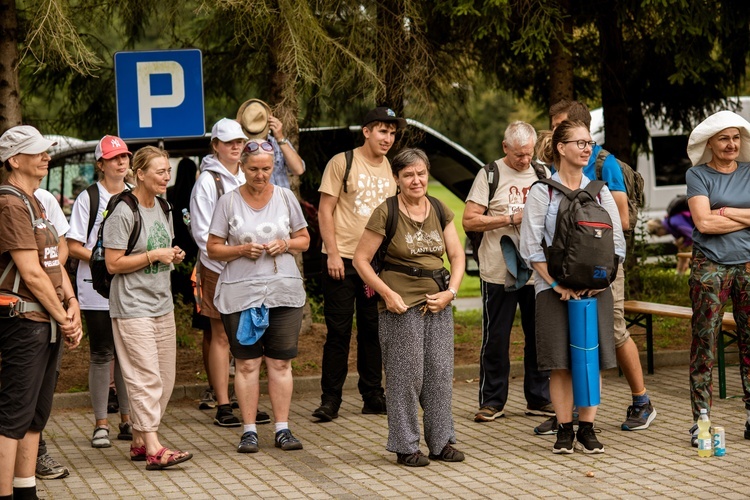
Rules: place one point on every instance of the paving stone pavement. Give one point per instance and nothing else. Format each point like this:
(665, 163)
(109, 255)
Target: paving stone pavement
(347, 458)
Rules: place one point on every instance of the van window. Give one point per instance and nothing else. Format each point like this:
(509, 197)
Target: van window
(670, 159)
(72, 174)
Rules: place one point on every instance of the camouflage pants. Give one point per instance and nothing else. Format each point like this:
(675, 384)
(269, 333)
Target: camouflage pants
(711, 286)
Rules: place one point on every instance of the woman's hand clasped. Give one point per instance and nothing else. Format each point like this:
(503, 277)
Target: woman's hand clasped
(276, 247)
(436, 302)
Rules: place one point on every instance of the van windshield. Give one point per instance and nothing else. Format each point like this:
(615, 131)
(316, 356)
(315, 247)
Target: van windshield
(670, 159)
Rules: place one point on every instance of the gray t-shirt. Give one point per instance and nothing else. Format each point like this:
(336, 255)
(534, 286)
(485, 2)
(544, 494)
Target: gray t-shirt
(145, 293)
(722, 190)
(246, 283)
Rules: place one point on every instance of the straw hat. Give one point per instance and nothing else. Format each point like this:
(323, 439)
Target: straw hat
(697, 149)
(253, 116)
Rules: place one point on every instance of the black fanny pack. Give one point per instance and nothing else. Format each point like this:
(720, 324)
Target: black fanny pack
(441, 276)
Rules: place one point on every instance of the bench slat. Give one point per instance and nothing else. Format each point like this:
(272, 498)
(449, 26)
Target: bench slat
(642, 307)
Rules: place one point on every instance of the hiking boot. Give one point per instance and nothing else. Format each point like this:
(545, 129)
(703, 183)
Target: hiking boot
(488, 414)
(326, 412)
(546, 428)
(113, 405)
(248, 443)
(448, 454)
(126, 431)
(225, 417)
(49, 468)
(375, 406)
(262, 417)
(208, 400)
(286, 441)
(544, 411)
(565, 438)
(587, 442)
(416, 459)
(639, 417)
(100, 438)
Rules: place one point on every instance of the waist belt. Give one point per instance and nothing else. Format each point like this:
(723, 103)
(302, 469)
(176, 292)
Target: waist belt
(414, 271)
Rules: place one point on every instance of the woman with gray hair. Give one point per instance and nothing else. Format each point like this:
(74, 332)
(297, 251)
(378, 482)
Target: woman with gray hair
(719, 200)
(256, 230)
(415, 315)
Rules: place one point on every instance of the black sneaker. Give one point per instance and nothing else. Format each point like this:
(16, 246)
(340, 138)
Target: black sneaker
(113, 405)
(49, 468)
(248, 443)
(565, 438)
(546, 428)
(262, 417)
(326, 412)
(286, 441)
(375, 406)
(225, 417)
(416, 459)
(639, 417)
(587, 442)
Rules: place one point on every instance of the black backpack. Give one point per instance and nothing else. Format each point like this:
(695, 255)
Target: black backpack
(71, 265)
(678, 205)
(378, 260)
(493, 179)
(582, 254)
(100, 277)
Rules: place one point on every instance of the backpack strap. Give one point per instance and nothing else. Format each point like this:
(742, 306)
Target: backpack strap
(349, 155)
(166, 207)
(14, 191)
(599, 163)
(390, 227)
(93, 192)
(554, 184)
(493, 179)
(219, 185)
(539, 170)
(438, 207)
(594, 187)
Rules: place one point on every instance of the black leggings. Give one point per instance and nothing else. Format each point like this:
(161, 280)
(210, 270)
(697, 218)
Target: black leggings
(101, 341)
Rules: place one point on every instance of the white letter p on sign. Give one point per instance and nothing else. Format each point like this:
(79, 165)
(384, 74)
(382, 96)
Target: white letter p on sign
(147, 101)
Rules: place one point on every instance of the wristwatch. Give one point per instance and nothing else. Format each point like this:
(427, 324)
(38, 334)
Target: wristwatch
(455, 294)
(283, 141)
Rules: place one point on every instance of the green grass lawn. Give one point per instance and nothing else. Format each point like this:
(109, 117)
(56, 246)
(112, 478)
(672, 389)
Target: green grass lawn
(470, 285)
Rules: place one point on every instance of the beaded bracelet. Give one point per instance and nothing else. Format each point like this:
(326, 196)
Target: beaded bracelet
(149, 259)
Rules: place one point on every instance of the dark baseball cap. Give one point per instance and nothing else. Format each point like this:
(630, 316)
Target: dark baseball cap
(383, 114)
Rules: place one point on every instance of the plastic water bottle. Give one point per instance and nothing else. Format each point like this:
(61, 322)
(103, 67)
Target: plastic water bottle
(704, 436)
(186, 217)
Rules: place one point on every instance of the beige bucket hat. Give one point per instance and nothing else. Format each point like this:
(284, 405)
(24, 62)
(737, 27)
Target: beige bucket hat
(253, 116)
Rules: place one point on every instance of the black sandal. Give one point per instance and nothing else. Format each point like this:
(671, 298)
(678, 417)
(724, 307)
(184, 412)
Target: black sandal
(449, 454)
(416, 459)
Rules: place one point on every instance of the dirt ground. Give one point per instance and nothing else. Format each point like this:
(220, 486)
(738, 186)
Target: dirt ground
(75, 365)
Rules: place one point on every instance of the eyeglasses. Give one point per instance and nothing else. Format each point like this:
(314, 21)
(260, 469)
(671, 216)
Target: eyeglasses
(582, 144)
(252, 147)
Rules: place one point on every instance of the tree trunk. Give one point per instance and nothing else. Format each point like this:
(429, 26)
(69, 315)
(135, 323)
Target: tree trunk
(392, 54)
(10, 94)
(615, 107)
(561, 60)
(612, 76)
(282, 93)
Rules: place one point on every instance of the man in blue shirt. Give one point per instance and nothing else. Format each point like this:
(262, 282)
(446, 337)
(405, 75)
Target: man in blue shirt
(258, 123)
(641, 413)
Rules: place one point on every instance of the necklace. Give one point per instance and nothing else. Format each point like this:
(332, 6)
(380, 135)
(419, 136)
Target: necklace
(419, 235)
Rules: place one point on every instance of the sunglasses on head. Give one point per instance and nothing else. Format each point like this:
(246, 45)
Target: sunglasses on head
(252, 147)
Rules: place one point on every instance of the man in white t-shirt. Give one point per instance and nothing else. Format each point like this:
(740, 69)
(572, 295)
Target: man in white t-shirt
(347, 199)
(515, 176)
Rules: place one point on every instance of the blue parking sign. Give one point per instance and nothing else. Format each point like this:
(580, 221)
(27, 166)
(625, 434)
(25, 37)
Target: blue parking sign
(159, 94)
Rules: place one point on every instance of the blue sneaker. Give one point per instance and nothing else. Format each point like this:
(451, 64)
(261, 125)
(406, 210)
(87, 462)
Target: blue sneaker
(248, 443)
(639, 417)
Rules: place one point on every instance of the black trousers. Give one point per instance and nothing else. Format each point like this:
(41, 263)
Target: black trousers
(341, 299)
(498, 313)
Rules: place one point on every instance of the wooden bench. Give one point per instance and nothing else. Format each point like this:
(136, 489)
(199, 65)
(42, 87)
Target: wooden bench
(639, 313)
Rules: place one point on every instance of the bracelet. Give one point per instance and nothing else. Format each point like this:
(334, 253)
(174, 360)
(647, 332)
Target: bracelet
(511, 219)
(722, 210)
(453, 291)
(553, 284)
(149, 259)
(286, 244)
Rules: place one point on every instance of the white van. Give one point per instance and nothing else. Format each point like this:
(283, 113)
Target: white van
(663, 168)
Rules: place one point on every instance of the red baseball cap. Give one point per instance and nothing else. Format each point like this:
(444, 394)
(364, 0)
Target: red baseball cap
(110, 146)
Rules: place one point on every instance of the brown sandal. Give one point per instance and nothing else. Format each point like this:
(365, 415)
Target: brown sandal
(165, 458)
